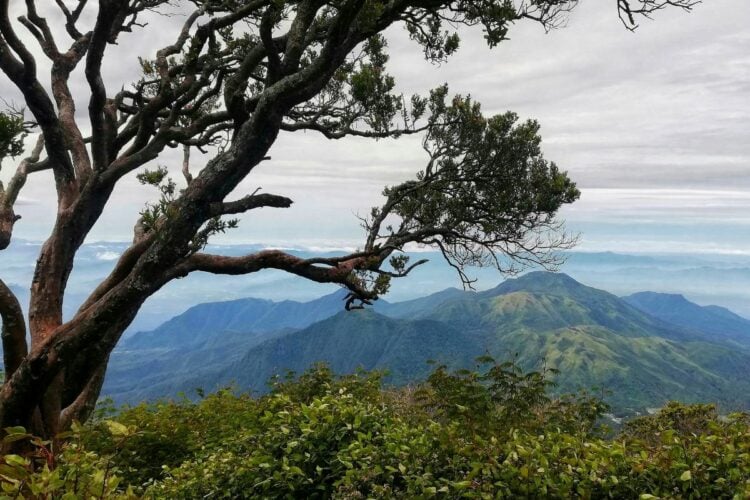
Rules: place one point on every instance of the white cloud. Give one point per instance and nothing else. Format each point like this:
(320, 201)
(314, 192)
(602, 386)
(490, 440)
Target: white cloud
(653, 125)
(107, 256)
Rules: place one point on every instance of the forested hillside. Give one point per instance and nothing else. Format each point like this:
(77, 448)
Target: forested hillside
(593, 338)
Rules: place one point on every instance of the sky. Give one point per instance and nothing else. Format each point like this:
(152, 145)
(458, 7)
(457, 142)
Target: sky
(654, 126)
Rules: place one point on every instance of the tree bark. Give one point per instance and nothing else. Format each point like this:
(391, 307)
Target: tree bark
(15, 348)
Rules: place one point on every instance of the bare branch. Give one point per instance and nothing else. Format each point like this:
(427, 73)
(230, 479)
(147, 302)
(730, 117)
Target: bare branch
(628, 10)
(39, 28)
(404, 273)
(186, 164)
(105, 23)
(334, 132)
(250, 202)
(71, 18)
(23, 74)
(8, 196)
(28, 165)
(342, 273)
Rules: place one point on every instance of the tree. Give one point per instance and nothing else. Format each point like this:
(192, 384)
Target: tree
(238, 74)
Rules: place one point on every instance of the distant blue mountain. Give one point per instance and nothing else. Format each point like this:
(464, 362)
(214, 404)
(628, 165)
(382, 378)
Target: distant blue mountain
(204, 321)
(204, 339)
(714, 321)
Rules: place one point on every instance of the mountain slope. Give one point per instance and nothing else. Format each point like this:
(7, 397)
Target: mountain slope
(544, 301)
(204, 321)
(347, 341)
(713, 321)
(205, 338)
(138, 373)
(542, 319)
(596, 339)
(358, 339)
(416, 307)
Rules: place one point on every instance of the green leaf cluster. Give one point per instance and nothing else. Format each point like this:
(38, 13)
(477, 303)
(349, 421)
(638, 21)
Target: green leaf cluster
(12, 133)
(74, 473)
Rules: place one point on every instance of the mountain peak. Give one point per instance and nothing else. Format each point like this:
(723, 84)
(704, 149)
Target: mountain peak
(547, 276)
(536, 281)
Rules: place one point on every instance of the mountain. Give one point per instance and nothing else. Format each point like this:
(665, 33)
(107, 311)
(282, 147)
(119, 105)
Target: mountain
(204, 321)
(202, 340)
(541, 319)
(138, 373)
(713, 321)
(597, 339)
(358, 339)
(415, 307)
(542, 301)
(592, 337)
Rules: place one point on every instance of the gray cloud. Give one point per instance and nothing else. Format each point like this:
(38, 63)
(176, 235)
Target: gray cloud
(661, 114)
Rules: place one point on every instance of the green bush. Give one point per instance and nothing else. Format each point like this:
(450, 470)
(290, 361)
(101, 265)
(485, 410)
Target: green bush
(74, 473)
(490, 434)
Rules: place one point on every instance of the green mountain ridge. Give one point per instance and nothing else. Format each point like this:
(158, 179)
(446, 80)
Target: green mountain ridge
(592, 337)
(359, 339)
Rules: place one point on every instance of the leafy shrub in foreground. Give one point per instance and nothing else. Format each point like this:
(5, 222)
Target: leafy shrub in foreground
(74, 473)
(492, 434)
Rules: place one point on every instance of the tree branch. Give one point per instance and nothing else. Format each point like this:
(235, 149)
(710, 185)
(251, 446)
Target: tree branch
(628, 11)
(250, 202)
(23, 74)
(82, 407)
(109, 12)
(341, 273)
(8, 196)
(333, 132)
(71, 18)
(13, 332)
(186, 164)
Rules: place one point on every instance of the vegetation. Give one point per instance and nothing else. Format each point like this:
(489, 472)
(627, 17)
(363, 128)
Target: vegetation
(490, 433)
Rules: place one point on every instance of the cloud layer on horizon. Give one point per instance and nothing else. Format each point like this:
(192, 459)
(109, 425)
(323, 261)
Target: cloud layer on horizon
(653, 125)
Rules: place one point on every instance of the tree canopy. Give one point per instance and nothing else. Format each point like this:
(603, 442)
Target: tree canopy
(237, 74)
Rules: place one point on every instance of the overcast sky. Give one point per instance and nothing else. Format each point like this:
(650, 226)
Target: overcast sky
(653, 125)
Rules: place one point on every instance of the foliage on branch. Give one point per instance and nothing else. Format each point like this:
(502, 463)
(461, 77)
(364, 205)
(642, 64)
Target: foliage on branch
(487, 196)
(13, 130)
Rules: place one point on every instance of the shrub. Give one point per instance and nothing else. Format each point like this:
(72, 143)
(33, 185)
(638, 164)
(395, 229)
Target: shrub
(74, 473)
(490, 434)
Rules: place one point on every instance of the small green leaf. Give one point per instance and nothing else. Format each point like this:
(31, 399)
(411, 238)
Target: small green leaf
(116, 428)
(16, 460)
